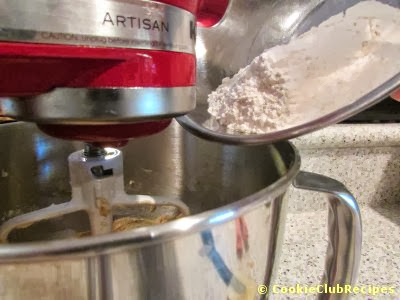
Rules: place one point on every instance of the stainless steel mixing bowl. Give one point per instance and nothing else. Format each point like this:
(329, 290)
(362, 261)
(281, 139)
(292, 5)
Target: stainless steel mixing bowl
(228, 246)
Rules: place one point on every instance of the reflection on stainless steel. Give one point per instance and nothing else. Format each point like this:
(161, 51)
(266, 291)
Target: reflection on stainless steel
(250, 27)
(345, 232)
(87, 106)
(112, 23)
(228, 245)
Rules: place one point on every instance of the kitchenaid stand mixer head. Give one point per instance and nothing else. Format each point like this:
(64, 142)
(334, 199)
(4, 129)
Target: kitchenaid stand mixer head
(101, 72)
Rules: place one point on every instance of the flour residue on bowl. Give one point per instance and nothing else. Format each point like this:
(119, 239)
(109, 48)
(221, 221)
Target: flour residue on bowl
(324, 69)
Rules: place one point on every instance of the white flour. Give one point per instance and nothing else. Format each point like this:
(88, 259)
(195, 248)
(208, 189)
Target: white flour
(324, 69)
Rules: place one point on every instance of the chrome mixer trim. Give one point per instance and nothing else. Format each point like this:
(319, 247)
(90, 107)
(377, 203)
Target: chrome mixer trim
(97, 106)
(106, 23)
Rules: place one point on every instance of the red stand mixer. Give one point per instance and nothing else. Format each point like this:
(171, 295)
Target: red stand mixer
(101, 72)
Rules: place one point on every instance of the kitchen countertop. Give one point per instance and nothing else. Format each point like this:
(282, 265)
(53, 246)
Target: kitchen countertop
(351, 136)
(328, 151)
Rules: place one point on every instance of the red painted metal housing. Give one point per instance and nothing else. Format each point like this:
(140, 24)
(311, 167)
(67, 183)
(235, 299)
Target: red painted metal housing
(208, 12)
(116, 135)
(27, 69)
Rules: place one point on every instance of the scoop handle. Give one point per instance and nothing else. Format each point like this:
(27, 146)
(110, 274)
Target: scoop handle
(344, 230)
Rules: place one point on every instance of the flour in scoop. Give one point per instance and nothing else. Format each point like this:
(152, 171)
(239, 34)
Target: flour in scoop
(324, 69)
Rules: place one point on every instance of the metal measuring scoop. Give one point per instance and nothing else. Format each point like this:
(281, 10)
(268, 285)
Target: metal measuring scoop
(98, 189)
(249, 28)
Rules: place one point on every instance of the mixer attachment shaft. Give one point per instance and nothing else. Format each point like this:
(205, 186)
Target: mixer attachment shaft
(98, 188)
